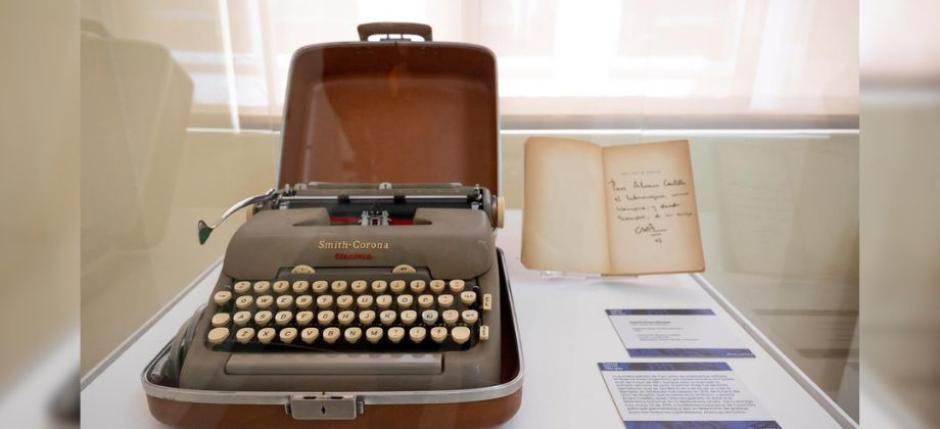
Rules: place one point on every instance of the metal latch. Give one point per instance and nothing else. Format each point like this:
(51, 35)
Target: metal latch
(325, 407)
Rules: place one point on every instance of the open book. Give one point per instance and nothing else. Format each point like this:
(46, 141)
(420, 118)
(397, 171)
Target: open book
(626, 209)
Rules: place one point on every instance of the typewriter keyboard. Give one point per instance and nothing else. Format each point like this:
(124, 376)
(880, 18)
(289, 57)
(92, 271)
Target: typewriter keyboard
(308, 309)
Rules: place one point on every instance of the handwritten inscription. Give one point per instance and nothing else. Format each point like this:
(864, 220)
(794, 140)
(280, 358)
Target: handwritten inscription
(649, 202)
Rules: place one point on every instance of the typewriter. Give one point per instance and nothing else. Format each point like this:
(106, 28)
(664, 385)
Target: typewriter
(345, 287)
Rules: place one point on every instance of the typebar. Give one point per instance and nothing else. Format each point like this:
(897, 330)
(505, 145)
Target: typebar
(334, 363)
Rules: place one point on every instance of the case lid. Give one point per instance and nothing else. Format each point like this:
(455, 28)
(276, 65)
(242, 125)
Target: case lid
(391, 111)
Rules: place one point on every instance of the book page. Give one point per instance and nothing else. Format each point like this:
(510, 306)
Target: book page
(652, 216)
(564, 226)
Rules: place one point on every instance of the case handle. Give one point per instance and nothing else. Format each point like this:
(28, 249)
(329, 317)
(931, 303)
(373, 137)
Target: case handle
(402, 28)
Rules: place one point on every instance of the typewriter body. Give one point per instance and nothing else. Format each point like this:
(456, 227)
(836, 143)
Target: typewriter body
(346, 301)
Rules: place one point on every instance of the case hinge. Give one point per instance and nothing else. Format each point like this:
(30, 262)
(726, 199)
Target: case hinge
(324, 407)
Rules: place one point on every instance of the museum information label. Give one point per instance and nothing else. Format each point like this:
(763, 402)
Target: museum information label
(676, 333)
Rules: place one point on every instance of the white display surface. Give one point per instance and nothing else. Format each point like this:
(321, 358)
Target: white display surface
(564, 330)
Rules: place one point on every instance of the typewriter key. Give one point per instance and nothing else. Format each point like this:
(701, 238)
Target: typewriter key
(484, 333)
(282, 318)
(304, 302)
(262, 318)
(285, 301)
(218, 335)
(346, 317)
(417, 286)
(304, 318)
(309, 335)
(300, 286)
(429, 317)
(387, 317)
(383, 301)
(339, 286)
(396, 334)
(445, 301)
(456, 285)
(468, 297)
(330, 335)
(324, 301)
(242, 318)
(303, 269)
(242, 287)
(437, 286)
(470, 316)
(244, 335)
(487, 302)
(280, 287)
(352, 335)
(460, 334)
(265, 335)
(379, 286)
(374, 335)
(244, 302)
(220, 319)
(262, 287)
(417, 334)
(287, 335)
(320, 286)
(325, 317)
(364, 301)
(439, 334)
(403, 269)
(344, 301)
(366, 317)
(397, 286)
(408, 317)
(264, 301)
(450, 317)
(405, 301)
(359, 286)
(426, 301)
(222, 297)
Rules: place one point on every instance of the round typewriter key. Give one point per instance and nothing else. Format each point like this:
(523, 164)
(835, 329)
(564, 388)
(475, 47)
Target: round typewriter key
(339, 286)
(383, 301)
(344, 301)
(262, 287)
(364, 301)
(242, 287)
(470, 316)
(450, 317)
(445, 301)
(264, 301)
(437, 286)
(457, 285)
(309, 335)
(303, 269)
(429, 317)
(439, 334)
(484, 333)
(346, 317)
(352, 335)
(304, 302)
(396, 334)
(403, 269)
(222, 297)
(366, 317)
(330, 335)
(426, 301)
(417, 334)
(244, 302)
(325, 317)
(285, 301)
(287, 335)
(379, 286)
(397, 286)
(304, 318)
(408, 317)
(220, 319)
(460, 334)
(218, 335)
(324, 301)
(387, 317)
(242, 318)
(300, 286)
(262, 318)
(280, 287)
(282, 318)
(374, 334)
(468, 297)
(320, 286)
(244, 335)
(265, 335)
(404, 301)
(417, 286)
(359, 286)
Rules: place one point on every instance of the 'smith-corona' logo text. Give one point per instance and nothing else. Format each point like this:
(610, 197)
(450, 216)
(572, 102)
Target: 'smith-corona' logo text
(354, 244)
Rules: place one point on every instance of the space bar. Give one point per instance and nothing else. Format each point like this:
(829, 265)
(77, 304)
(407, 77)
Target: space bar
(334, 363)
